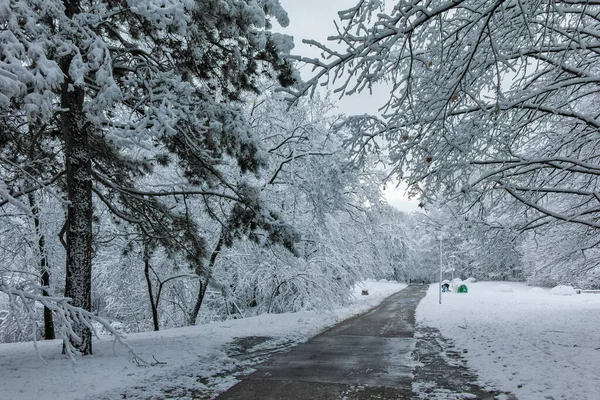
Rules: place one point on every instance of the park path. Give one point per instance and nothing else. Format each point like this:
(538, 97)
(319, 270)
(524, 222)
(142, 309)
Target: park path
(366, 357)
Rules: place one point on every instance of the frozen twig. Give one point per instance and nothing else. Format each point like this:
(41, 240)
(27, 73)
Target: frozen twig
(66, 316)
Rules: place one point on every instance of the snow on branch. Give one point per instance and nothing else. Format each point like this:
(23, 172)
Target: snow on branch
(39, 184)
(479, 92)
(4, 193)
(66, 316)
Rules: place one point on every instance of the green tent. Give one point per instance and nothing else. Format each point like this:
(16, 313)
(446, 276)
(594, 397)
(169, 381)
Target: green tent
(463, 289)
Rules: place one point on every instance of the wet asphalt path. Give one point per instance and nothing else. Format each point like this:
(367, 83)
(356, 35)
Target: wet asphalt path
(365, 357)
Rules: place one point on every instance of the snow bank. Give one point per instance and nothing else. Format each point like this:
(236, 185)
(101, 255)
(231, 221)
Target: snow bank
(471, 280)
(198, 350)
(534, 345)
(504, 288)
(537, 290)
(562, 290)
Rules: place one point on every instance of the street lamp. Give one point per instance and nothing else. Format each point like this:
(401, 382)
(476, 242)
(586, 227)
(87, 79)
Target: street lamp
(441, 268)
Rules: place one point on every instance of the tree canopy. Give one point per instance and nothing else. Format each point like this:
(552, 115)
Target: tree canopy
(488, 99)
(491, 103)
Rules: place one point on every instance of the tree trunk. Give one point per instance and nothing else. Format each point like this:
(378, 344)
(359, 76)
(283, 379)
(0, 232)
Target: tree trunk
(204, 285)
(45, 275)
(149, 283)
(79, 192)
(199, 299)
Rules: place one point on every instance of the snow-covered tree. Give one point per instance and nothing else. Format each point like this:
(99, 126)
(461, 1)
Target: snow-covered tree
(471, 245)
(563, 254)
(491, 102)
(107, 78)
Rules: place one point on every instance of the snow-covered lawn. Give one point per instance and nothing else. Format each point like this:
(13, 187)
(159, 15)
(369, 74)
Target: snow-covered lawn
(190, 353)
(531, 343)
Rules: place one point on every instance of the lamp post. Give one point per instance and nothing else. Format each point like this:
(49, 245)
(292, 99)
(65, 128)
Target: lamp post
(440, 268)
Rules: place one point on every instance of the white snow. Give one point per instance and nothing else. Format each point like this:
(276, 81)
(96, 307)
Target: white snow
(534, 345)
(537, 290)
(504, 288)
(562, 290)
(190, 353)
(527, 342)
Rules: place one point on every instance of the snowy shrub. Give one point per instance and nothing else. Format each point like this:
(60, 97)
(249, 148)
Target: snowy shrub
(540, 278)
(563, 290)
(504, 288)
(590, 282)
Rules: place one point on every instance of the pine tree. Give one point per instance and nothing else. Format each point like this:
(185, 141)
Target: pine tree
(121, 83)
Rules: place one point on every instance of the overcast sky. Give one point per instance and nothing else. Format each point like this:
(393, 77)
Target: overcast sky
(313, 19)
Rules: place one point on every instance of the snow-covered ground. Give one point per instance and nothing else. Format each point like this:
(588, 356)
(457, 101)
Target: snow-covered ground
(531, 343)
(195, 357)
